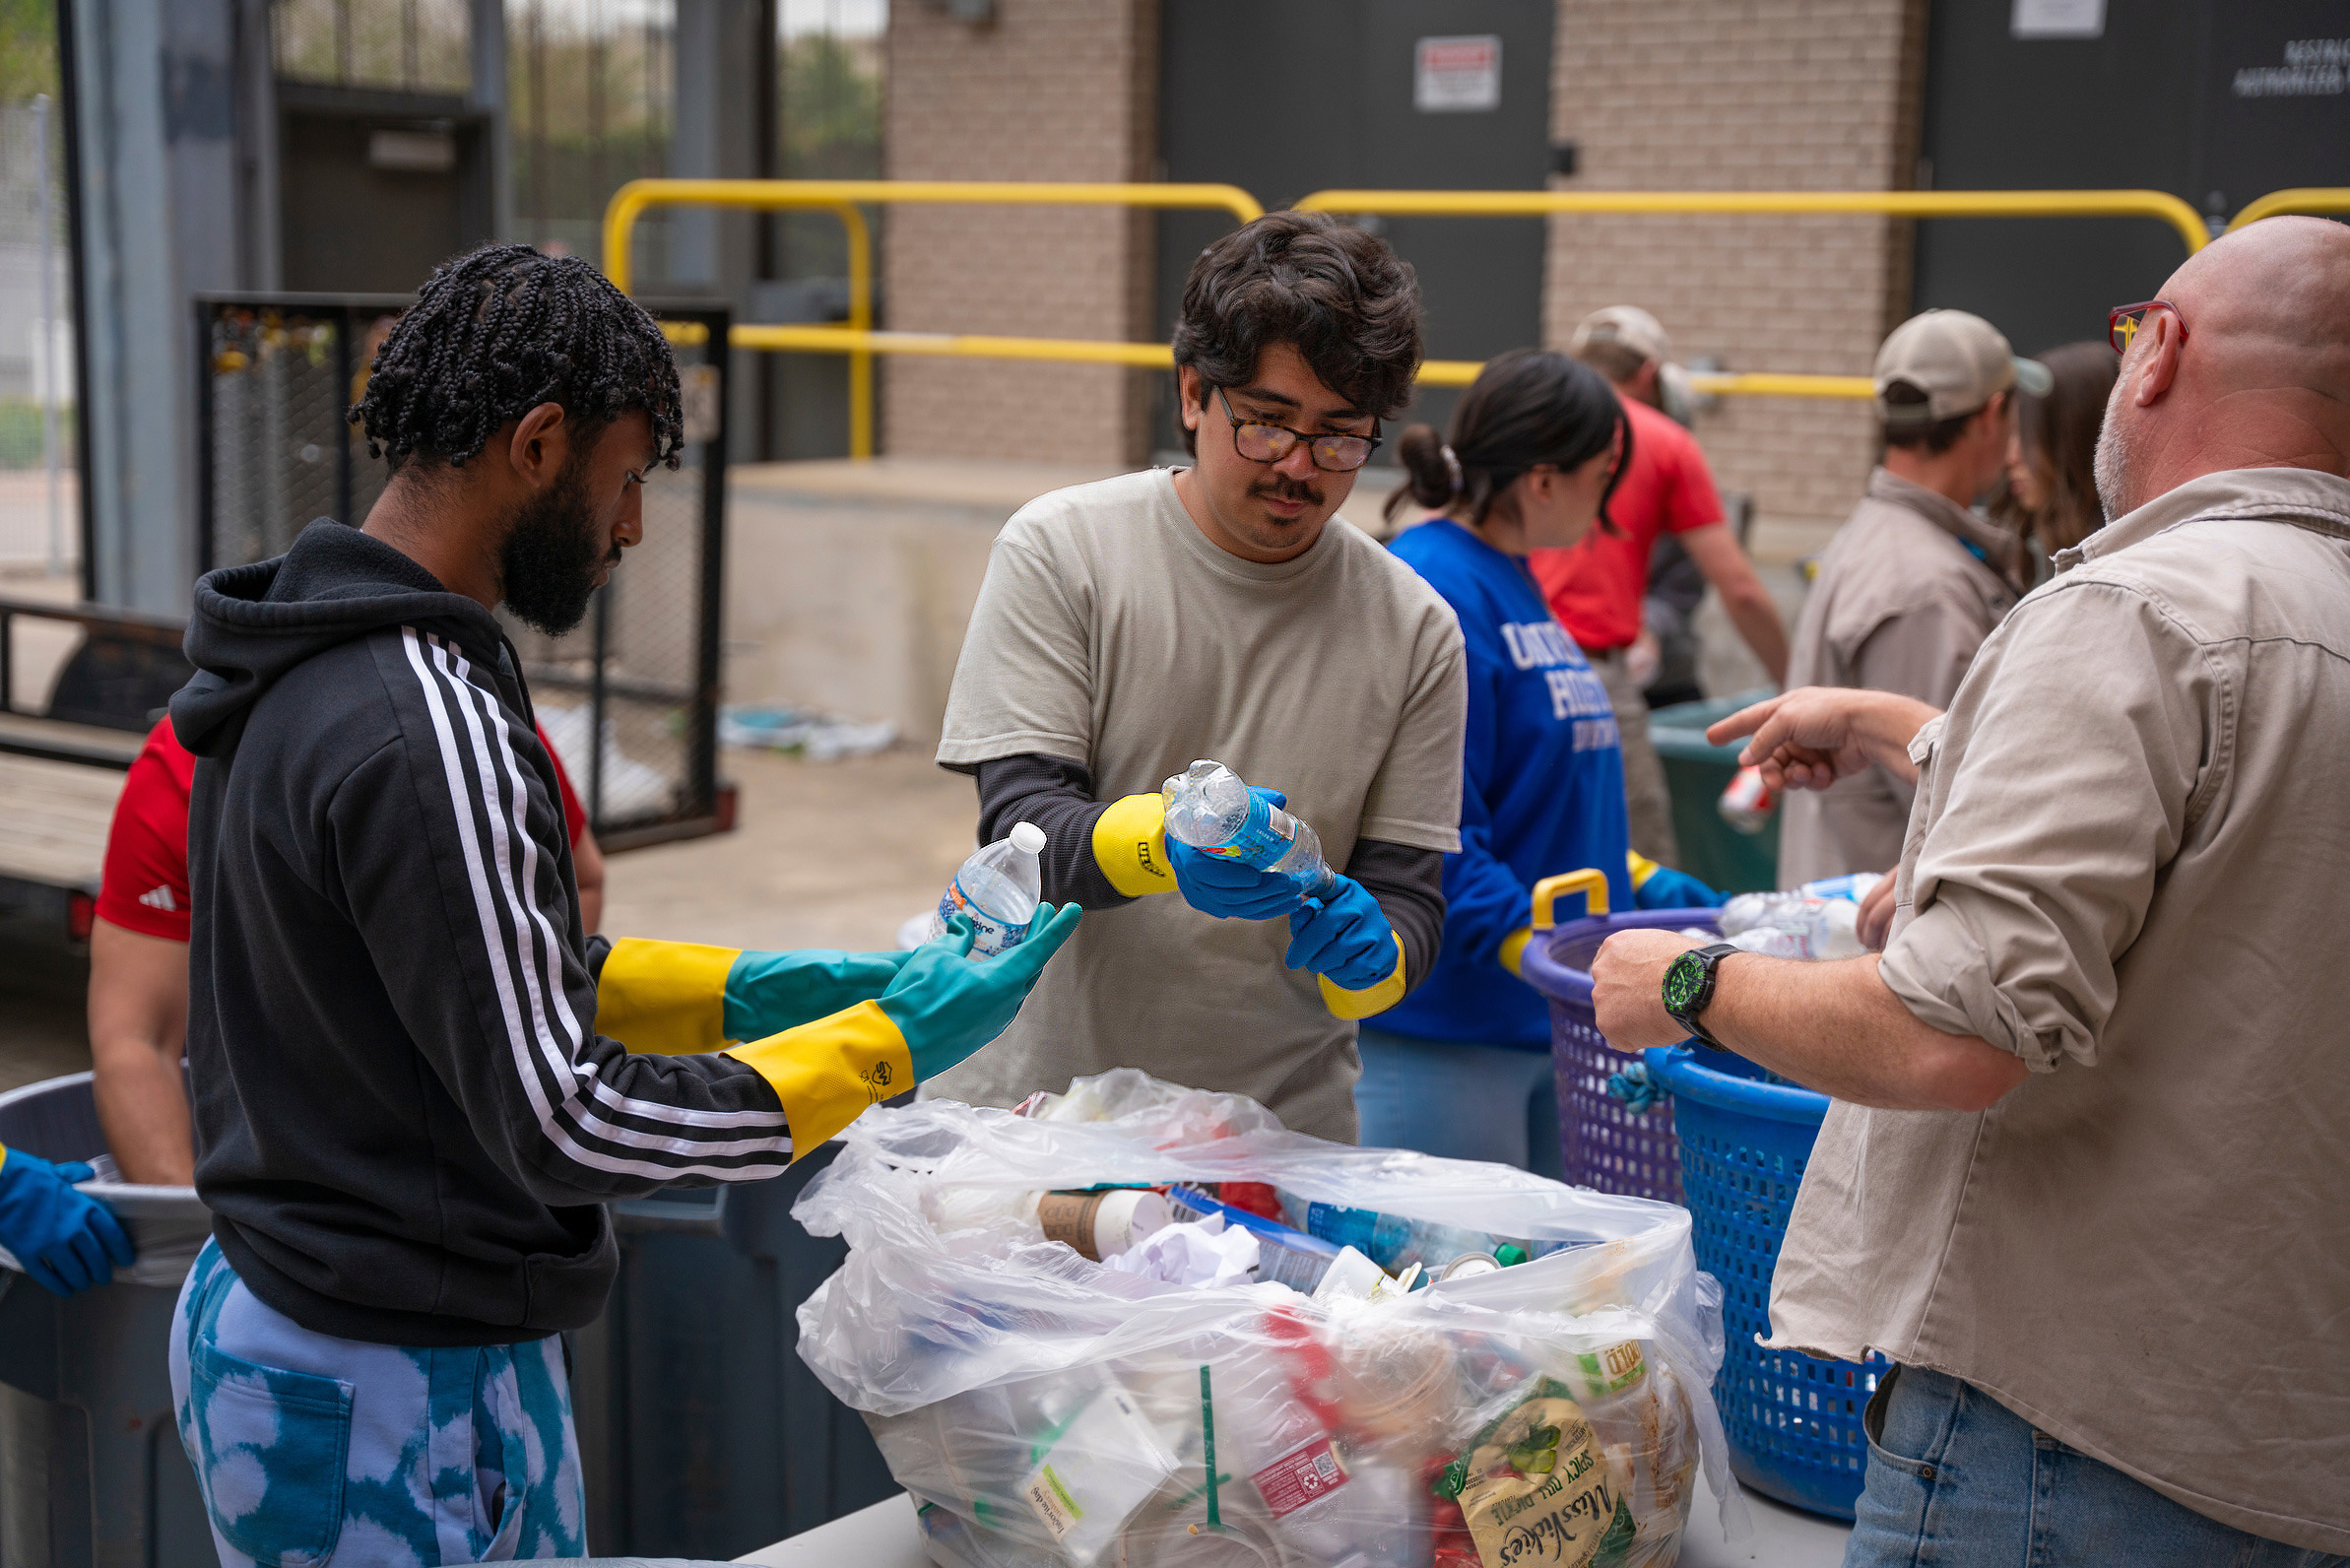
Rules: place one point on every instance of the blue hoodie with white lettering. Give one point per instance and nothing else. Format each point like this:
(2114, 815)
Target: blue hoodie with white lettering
(1541, 789)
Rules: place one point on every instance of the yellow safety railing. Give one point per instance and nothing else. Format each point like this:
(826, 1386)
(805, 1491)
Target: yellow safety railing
(860, 342)
(1158, 357)
(1886, 203)
(841, 198)
(1718, 384)
(2298, 199)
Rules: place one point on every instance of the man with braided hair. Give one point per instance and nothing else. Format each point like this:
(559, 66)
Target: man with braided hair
(416, 1081)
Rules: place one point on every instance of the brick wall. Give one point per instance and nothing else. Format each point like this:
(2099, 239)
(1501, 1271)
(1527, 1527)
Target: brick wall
(1049, 89)
(1756, 95)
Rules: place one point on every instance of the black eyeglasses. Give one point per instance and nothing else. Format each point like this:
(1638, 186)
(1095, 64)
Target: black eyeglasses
(1261, 443)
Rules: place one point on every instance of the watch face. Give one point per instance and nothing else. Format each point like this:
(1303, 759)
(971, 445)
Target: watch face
(1683, 980)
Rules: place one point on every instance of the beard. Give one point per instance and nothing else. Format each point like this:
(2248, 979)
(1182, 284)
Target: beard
(551, 557)
(2111, 468)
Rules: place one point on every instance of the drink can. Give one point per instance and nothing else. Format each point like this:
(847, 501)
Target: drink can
(1469, 1265)
(1748, 803)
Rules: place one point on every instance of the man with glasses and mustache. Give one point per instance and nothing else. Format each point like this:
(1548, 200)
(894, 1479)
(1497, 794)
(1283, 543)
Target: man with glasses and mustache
(2083, 1178)
(1128, 628)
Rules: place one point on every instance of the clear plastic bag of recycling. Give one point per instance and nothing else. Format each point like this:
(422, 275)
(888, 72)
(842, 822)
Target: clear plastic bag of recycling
(1549, 1403)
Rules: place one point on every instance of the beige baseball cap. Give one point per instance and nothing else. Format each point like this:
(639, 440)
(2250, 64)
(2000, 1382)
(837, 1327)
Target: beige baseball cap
(1628, 325)
(1960, 361)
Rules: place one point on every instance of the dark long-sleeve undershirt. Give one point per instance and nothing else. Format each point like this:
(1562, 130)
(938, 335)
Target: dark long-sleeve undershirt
(1057, 795)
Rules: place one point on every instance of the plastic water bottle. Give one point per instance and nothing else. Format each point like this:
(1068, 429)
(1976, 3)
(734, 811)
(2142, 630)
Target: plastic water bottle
(997, 891)
(1749, 910)
(1209, 809)
(1802, 923)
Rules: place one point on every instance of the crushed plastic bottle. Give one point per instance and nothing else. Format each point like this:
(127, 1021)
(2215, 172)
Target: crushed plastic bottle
(1817, 920)
(997, 890)
(1748, 910)
(1209, 809)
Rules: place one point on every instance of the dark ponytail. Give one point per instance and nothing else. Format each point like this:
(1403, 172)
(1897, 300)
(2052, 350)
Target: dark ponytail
(1527, 407)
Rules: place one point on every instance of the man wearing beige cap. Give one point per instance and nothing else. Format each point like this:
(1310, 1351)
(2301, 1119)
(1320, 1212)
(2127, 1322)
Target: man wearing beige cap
(1597, 587)
(1915, 579)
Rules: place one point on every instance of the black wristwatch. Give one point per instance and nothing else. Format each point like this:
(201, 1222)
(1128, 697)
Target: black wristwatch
(1689, 986)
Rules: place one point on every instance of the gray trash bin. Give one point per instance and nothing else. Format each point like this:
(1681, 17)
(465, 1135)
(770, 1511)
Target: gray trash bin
(702, 1431)
(703, 1434)
(91, 1474)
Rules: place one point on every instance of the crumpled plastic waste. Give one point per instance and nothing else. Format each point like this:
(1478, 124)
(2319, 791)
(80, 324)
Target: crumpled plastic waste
(1049, 1411)
(1201, 1253)
(809, 733)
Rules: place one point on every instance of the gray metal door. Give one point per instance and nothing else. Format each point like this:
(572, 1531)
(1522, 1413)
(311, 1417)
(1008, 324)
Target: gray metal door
(2217, 102)
(1286, 97)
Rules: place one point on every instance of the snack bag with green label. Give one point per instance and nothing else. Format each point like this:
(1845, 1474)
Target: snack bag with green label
(1535, 1488)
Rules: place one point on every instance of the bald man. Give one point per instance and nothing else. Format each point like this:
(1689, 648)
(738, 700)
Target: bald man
(2084, 1179)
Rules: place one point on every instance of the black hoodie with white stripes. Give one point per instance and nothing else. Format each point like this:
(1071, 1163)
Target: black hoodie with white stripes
(405, 1119)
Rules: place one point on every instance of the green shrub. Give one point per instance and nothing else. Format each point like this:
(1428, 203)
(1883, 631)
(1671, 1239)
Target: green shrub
(20, 434)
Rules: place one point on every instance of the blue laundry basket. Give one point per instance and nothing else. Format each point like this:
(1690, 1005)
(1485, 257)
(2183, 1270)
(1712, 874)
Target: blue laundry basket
(1794, 1420)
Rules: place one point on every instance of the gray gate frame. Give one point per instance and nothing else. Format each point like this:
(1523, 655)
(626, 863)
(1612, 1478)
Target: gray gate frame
(707, 807)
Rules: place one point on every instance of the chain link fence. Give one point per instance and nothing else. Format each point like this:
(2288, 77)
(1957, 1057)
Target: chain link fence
(629, 700)
(40, 497)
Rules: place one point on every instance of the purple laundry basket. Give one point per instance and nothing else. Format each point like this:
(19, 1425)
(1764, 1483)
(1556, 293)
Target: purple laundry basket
(1603, 1143)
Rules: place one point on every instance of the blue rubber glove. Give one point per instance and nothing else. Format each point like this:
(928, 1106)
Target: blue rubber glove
(1667, 888)
(1344, 936)
(1230, 889)
(768, 993)
(948, 1006)
(64, 1239)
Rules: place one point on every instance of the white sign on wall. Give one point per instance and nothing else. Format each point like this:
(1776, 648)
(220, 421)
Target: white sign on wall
(1456, 76)
(2057, 19)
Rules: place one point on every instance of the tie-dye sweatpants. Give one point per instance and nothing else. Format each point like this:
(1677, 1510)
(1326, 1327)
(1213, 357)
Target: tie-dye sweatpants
(311, 1449)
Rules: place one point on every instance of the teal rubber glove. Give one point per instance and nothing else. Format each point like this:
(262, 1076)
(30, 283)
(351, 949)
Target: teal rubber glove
(66, 1240)
(1667, 888)
(1346, 937)
(947, 1004)
(768, 993)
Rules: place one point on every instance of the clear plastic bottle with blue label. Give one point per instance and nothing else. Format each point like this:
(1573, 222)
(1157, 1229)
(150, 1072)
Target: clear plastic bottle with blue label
(1212, 811)
(997, 890)
(1817, 920)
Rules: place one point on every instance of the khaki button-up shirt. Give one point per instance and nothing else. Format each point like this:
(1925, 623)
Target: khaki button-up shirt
(2128, 866)
(1901, 604)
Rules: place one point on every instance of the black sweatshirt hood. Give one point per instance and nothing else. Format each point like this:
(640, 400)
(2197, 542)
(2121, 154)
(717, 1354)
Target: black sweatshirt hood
(253, 624)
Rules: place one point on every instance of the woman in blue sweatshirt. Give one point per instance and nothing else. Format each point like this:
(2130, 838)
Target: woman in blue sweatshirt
(1461, 1066)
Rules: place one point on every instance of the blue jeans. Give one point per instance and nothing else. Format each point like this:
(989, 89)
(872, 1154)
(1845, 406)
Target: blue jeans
(1462, 1101)
(308, 1448)
(1958, 1481)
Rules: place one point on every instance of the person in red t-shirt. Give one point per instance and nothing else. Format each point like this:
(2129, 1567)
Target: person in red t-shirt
(138, 959)
(1595, 589)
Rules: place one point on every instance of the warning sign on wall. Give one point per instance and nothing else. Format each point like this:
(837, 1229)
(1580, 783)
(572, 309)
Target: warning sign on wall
(1456, 76)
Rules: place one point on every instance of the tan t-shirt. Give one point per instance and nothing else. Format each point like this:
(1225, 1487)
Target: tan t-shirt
(1110, 631)
(2127, 865)
(1901, 605)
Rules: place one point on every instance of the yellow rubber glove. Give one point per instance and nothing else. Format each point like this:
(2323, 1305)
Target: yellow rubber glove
(1345, 1003)
(664, 998)
(1130, 845)
(683, 998)
(827, 1072)
(942, 1005)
